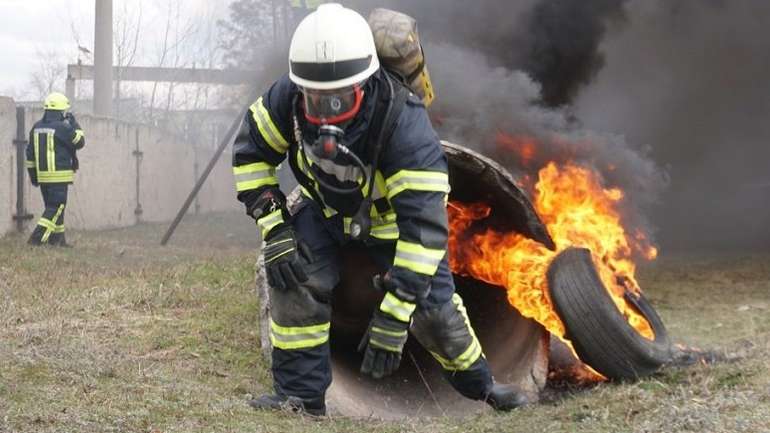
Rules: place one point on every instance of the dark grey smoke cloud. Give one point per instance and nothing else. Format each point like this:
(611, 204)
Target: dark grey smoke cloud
(486, 59)
(554, 41)
(691, 79)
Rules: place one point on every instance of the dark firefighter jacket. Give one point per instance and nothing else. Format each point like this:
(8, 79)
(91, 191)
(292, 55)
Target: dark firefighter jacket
(51, 151)
(411, 183)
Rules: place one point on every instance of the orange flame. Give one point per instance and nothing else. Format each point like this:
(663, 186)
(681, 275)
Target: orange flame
(578, 211)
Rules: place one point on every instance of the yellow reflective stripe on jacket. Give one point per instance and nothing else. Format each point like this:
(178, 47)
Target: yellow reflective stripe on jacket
(267, 222)
(470, 354)
(386, 231)
(381, 228)
(29, 164)
(397, 308)
(51, 152)
(78, 136)
(55, 177)
(417, 181)
(298, 337)
(417, 258)
(267, 128)
(253, 176)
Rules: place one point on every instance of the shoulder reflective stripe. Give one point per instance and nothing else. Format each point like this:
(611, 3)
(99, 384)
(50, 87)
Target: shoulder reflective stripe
(417, 180)
(417, 258)
(401, 310)
(78, 136)
(253, 176)
(269, 131)
(298, 337)
(267, 222)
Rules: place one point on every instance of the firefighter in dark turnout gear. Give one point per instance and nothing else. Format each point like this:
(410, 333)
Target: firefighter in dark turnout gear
(372, 170)
(51, 163)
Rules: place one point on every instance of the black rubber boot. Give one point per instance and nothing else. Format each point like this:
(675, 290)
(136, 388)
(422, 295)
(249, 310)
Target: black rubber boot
(36, 237)
(505, 397)
(58, 239)
(315, 407)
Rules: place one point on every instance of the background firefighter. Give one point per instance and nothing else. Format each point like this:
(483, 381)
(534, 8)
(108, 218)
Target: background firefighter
(51, 163)
(372, 171)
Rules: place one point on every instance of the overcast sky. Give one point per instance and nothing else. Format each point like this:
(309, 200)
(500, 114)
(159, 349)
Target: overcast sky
(30, 28)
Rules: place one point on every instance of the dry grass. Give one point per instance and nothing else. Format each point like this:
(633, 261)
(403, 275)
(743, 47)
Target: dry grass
(121, 335)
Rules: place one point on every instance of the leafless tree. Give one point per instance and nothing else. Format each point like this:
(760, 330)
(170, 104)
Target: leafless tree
(126, 29)
(50, 74)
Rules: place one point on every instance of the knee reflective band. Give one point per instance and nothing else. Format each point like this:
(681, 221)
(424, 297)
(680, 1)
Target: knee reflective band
(434, 181)
(267, 128)
(417, 258)
(298, 337)
(50, 225)
(253, 176)
(267, 222)
(401, 310)
(471, 354)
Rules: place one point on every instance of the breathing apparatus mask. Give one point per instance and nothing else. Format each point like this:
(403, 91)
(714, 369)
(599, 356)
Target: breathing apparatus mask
(330, 110)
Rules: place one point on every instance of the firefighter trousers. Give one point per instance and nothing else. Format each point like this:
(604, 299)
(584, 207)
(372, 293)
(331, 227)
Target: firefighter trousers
(301, 318)
(50, 226)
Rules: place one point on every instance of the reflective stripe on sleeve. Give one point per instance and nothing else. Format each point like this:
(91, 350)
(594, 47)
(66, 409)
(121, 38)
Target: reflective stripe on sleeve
(78, 136)
(253, 176)
(298, 337)
(267, 128)
(417, 258)
(401, 310)
(29, 164)
(267, 222)
(435, 181)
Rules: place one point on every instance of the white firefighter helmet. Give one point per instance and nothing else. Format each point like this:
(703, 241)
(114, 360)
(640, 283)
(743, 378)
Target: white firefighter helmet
(332, 48)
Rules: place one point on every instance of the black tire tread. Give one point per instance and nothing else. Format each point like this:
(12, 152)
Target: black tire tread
(599, 332)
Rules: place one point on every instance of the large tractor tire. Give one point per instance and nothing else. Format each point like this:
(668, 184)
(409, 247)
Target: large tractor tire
(599, 332)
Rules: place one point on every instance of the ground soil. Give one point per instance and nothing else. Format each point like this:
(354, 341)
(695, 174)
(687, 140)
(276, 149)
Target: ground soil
(122, 335)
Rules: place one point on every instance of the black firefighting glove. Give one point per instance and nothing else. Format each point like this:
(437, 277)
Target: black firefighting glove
(286, 258)
(384, 341)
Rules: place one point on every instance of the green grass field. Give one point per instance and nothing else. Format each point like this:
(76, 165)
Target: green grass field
(122, 335)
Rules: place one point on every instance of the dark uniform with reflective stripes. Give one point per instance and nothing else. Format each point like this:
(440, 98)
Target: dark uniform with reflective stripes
(51, 164)
(409, 236)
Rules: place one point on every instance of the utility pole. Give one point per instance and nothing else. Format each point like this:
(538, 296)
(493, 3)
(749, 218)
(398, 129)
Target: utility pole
(103, 58)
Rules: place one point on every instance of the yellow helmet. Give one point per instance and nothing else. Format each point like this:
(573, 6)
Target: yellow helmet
(56, 101)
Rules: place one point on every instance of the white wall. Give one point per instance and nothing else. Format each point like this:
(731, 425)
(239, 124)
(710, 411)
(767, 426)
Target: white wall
(104, 192)
(7, 164)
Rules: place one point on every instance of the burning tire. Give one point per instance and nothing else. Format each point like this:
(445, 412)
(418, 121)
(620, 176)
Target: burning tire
(600, 334)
